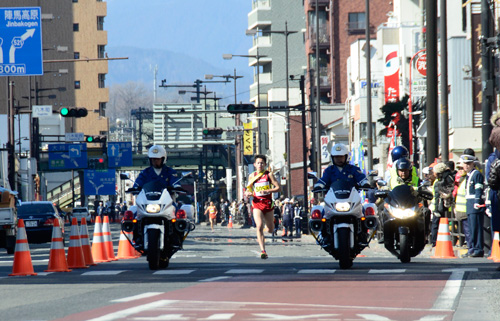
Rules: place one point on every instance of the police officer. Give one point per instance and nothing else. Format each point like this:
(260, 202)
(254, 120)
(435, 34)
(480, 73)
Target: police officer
(341, 169)
(403, 174)
(399, 152)
(158, 170)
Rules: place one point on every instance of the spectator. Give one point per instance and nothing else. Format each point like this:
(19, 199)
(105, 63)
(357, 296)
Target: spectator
(224, 210)
(460, 201)
(474, 205)
(443, 188)
(287, 211)
(493, 195)
(297, 210)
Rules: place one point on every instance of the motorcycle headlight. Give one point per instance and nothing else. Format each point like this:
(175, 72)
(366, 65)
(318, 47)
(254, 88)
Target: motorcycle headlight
(153, 208)
(403, 213)
(342, 207)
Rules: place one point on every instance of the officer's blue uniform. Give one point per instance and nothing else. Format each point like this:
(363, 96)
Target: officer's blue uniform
(473, 195)
(349, 172)
(147, 175)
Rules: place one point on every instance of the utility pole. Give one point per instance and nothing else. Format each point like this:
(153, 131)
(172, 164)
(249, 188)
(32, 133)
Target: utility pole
(444, 83)
(432, 120)
(369, 133)
(304, 137)
(487, 80)
(10, 144)
(318, 96)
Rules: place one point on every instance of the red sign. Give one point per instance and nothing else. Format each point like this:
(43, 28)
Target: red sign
(421, 65)
(391, 73)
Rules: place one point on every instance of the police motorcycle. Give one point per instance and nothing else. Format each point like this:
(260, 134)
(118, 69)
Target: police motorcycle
(404, 220)
(159, 227)
(342, 223)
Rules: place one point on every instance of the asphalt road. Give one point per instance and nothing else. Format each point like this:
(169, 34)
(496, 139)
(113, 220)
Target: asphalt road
(220, 276)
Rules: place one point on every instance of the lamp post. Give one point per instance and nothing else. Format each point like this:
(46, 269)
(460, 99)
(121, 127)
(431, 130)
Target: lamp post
(286, 33)
(257, 57)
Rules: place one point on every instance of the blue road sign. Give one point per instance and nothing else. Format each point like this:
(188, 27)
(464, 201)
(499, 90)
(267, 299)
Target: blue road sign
(67, 156)
(119, 154)
(99, 182)
(21, 41)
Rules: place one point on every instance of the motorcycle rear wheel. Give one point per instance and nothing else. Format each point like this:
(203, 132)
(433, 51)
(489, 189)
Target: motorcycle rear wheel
(345, 260)
(153, 249)
(404, 248)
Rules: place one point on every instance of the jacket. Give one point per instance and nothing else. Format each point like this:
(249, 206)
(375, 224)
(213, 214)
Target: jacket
(147, 175)
(474, 192)
(349, 172)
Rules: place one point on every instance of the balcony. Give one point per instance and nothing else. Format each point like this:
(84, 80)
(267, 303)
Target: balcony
(260, 14)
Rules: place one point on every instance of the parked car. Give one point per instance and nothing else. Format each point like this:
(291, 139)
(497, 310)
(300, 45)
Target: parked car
(80, 212)
(39, 218)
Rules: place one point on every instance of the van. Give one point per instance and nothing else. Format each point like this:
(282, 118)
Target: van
(80, 212)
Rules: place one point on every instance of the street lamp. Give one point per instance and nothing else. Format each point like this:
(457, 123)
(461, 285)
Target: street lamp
(286, 33)
(257, 56)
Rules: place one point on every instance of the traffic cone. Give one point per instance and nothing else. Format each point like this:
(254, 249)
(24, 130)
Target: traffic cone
(22, 257)
(76, 259)
(125, 249)
(495, 248)
(444, 248)
(108, 242)
(230, 224)
(84, 238)
(57, 257)
(98, 249)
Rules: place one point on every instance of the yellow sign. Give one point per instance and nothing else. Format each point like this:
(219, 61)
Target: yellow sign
(248, 139)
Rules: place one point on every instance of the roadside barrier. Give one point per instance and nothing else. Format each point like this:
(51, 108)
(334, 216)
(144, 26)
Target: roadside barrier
(125, 249)
(108, 242)
(444, 248)
(57, 257)
(98, 247)
(84, 238)
(495, 248)
(22, 257)
(75, 253)
(230, 224)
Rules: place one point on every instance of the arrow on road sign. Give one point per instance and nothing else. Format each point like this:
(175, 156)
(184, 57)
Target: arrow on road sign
(17, 43)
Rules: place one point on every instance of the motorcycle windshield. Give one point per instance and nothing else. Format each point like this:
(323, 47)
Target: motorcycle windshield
(402, 196)
(154, 189)
(342, 189)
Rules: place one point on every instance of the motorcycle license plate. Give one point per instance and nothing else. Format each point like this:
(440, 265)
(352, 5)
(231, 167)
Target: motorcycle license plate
(31, 223)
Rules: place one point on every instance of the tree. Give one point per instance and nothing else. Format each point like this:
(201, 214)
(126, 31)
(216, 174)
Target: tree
(125, 97)
(393, 112)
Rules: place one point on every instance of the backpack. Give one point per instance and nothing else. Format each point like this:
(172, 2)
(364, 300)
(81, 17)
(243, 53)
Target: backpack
(494, 175)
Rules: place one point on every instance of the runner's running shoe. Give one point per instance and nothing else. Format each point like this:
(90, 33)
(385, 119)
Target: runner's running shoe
(263, 255)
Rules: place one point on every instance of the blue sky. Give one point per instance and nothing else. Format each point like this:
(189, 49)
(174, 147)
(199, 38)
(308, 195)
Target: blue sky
(203, 29)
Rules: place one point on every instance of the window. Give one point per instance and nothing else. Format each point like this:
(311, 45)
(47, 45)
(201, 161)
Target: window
(76, 55)
(100, 23)
(77, 84)
(102, 110)
(101, 49)
(363, 135)
(101, 80)
(76, 27)
(357, 23)
(75, 0)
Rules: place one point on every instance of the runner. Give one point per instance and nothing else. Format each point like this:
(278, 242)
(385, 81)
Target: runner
(212, 215)
(261, 185)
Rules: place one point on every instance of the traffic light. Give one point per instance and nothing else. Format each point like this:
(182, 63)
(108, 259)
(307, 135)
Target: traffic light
(73, 112)
(240, 108)
(212, 131)
(96, 163)
(95, 139)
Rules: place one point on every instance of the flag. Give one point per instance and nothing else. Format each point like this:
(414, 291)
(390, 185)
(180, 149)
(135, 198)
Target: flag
(391, 147)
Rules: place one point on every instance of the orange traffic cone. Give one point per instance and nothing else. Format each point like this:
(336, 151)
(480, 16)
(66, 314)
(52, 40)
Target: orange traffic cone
(84, 238)
(495, 248)
(230, 224)
(444, 248)
(57, 257)
(76, 259)
(22, 257)
(125, 249)
(98, 247)
(108, 242)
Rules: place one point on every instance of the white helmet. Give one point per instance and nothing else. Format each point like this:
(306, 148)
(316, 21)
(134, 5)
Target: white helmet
(340, 150)
(157, 151)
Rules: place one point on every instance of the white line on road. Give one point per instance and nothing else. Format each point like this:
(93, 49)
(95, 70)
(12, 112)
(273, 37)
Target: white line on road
(374, 271)
(220, 316)
(137, 297)
(111, 272)
(215, 279)
(125, 313)
(174, 272)
(450, 292)
(244, 271)
(318, 271)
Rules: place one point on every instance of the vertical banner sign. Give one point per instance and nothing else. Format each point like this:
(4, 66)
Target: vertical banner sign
(248, 139)
(391, 73)
(21, 41)
(325, 153)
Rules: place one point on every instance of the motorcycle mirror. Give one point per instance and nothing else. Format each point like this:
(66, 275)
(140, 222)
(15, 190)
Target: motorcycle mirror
(124, 175)
(381, 194)
(381, 182)
(312, 175)
(186, 174)
(373, 173)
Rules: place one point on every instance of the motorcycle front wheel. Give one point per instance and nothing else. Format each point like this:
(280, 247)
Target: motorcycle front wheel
(404, 248)
(344, 235)
(153, 249)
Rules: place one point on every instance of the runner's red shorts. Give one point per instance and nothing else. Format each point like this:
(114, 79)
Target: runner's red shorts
(263, 204)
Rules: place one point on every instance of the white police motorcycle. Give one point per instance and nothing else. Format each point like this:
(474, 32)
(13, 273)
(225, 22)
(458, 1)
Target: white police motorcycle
(159, 228)
(342, 224)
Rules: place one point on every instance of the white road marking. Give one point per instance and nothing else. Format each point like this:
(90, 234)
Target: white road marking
(318, 271)
(174, 272)
(125, 313)
(374, 271)
(215, 279)
(110, 272)
(137, 297)
(447, 298)
(220, 316)
(215, 257)
(244, 271)
(373, 317)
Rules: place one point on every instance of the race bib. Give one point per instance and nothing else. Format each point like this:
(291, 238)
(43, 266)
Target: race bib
(261, 188)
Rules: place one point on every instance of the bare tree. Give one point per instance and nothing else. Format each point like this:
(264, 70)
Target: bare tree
(125, 97)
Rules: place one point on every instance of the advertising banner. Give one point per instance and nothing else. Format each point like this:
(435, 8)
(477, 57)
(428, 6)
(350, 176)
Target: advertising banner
(391, 73)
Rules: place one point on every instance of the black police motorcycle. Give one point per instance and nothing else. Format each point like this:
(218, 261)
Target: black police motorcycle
(405, 221)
